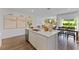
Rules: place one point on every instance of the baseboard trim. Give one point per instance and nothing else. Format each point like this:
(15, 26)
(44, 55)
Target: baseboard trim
(14, 37)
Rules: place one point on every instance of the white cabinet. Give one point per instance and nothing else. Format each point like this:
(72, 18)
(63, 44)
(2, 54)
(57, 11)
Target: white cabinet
(0, 40)
(41, 42)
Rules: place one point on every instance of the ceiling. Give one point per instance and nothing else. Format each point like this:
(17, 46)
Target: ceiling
(41, 11)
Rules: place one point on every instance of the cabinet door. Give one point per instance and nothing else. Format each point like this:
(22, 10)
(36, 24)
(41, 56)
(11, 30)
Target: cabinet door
(32, 38)
(37, 40)
(41, 42)
(52, 42)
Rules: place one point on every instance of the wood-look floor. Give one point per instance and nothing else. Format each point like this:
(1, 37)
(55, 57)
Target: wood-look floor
(20, 43)
(16, 43)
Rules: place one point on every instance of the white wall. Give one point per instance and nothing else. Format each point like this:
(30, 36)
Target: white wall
(12, 32)
(1, 27)
(1, 21)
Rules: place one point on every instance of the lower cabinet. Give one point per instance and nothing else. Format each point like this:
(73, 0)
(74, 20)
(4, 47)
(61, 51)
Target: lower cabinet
(41, 42)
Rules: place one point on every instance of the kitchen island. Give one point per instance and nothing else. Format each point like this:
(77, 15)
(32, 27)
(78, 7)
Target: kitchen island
(42, 40)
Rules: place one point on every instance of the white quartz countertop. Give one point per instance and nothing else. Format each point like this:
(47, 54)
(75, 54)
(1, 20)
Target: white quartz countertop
(48, 34)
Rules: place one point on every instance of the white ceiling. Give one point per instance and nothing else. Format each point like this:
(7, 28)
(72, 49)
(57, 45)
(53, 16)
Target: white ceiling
(35, 9)
(41, 11)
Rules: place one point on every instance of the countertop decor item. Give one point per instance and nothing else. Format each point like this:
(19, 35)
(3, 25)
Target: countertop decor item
(50, 23)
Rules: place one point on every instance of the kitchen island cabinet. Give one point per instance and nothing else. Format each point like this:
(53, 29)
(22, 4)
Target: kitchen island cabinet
(44, 40)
